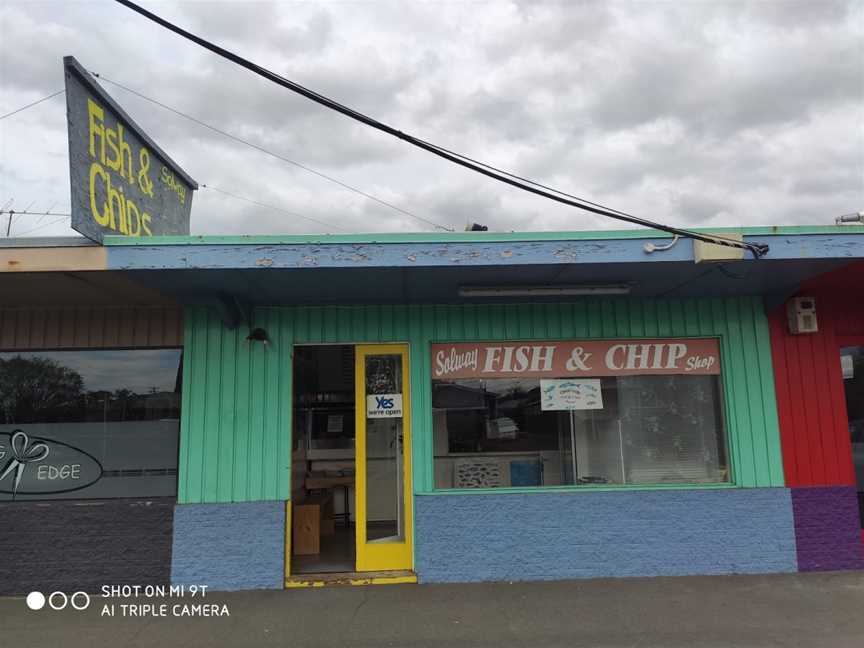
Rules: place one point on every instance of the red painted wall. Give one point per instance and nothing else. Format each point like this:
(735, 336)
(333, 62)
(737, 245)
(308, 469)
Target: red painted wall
(811, 404)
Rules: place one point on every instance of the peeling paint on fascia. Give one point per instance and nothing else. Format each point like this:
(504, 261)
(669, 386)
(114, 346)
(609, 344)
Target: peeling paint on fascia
(265, 262)
(569, 255)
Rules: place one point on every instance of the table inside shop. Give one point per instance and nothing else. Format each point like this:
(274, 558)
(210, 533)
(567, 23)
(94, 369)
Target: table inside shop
(316, 482)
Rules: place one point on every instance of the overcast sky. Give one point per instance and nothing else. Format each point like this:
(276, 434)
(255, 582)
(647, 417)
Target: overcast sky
(689, 113)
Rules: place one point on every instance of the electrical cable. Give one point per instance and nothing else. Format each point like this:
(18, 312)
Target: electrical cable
(273, 207)
(758, 250)
(15, 212)
(714, 237)
(30, 105)
(271, 153)
(54, 222)
(34, 213)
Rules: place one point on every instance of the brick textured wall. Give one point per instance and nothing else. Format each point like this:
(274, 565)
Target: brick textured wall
(545, 536)
(229, 546)
(82, 545)
(827, 528)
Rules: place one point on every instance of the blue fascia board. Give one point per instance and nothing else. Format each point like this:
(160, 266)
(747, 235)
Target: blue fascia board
(390, 255)
(480, 253)
(470, 237)
(812, 246)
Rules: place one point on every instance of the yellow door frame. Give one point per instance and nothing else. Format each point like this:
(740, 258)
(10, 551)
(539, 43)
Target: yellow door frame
(383, 556)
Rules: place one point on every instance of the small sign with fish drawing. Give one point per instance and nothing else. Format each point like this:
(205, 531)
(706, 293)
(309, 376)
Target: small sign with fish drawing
(569, 394)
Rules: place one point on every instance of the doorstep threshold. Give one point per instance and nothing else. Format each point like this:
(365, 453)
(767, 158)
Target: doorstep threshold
(336, 579)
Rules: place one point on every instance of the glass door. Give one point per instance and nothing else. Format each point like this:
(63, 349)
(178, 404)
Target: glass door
(383, 447)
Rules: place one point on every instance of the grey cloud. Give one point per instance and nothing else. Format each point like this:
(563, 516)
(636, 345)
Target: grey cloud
(718, 113)
(699, 208)
(799, 14)
(259, 23)
(465, 205)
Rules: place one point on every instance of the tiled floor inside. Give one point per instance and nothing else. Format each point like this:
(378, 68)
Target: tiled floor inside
(337, 554)
(338, 550)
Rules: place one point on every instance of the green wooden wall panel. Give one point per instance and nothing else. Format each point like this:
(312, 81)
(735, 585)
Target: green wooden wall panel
(227, 431)
(235, 441)
(241, 422)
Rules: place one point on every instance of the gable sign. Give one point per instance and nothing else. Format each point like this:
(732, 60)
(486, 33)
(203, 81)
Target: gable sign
(122, 182)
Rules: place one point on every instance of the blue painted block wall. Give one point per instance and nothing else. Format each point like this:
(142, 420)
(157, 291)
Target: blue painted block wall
(229, 546)
(548, 536)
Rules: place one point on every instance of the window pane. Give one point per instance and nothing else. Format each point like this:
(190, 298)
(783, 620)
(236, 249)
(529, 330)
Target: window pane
(645, 430)
(384, 453)
(491, 433)
(89, 424)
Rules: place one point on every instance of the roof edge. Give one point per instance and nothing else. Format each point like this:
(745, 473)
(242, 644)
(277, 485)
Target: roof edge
(468, 237)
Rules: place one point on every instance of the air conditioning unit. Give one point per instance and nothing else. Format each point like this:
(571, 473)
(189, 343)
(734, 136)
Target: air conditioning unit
(801, 312)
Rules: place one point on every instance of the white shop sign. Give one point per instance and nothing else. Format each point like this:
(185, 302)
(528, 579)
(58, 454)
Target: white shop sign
(384, 406)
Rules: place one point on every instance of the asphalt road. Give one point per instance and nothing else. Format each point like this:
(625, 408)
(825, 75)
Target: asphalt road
(819, 610)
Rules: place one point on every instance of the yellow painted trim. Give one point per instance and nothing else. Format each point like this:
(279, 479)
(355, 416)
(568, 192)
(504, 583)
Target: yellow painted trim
(299, 582)
(287, 538)
(389, 556)
(70, 259)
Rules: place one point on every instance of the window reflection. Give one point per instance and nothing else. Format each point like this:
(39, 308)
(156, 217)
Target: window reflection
(119, 407)
(650, 429)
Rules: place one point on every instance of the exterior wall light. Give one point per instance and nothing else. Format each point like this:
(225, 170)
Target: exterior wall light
(258, 335)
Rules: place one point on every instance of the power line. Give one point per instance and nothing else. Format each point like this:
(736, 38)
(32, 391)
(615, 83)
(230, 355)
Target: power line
(54, 222)
(273, 207)
(271, 153)
(34, 213)
(758, 250)
(15, 212)
(30, 105)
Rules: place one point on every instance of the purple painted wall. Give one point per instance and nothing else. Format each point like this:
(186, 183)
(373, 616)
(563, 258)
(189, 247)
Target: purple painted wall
(827, 528)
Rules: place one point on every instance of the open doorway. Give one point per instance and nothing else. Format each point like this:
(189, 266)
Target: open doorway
(852, 362)
(351, 460)
(323, 459)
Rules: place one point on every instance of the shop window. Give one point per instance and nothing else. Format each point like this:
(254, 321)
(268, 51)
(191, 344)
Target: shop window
(89, 424)
(656, 423)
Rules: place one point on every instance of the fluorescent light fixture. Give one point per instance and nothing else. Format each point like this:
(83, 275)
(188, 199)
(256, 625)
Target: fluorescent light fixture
(544, 291)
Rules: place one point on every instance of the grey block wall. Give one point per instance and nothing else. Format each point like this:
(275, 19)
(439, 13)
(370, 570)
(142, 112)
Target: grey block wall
(81, 545)
(229, 546)
(547, 536)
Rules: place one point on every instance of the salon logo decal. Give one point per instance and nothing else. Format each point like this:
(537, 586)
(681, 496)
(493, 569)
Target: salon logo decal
(38, 466)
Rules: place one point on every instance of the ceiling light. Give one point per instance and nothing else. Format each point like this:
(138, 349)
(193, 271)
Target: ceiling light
(544, 291)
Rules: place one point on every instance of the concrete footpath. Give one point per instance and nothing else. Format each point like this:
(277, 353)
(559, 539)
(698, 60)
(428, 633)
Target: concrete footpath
(819, 610)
